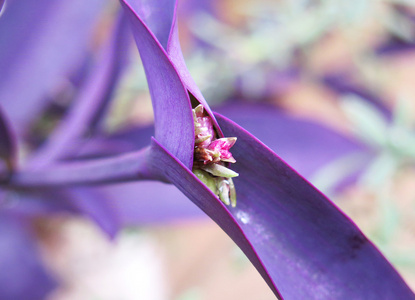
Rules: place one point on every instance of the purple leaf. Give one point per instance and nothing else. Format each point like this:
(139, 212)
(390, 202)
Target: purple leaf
(166, 76)
(158, 18)
(170, 99)
(161, 19)
(175, 54)
(302, 245)
(318, 250)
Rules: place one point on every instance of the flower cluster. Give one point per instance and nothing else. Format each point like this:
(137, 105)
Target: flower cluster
(210, 156)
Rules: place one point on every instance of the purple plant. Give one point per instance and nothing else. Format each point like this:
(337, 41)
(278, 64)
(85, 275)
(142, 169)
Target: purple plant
(301, 244)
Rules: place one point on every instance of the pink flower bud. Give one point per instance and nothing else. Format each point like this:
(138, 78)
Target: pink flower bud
(210, 156)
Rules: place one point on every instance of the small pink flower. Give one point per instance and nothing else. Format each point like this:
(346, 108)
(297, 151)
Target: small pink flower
(221, 147)
(208, 149)
(210, 156)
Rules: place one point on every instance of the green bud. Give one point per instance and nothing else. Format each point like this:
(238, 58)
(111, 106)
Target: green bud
(206, 178)
(219, 170)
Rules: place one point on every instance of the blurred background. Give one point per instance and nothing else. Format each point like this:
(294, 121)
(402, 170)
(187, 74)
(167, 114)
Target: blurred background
(336, 79)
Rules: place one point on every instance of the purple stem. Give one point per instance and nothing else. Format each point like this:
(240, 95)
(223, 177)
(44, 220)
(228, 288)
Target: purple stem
(127, 167)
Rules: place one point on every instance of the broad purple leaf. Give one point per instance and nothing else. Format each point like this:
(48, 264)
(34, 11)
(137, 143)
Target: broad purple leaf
(92, 100)
(318, 250)
(302, 245)
(41, 42)
(22, 274)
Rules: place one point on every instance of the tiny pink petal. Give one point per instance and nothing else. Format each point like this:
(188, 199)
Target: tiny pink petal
(222, 147)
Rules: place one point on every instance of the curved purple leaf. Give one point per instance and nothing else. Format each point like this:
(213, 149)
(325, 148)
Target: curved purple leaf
(302, 245)
(171, 102)
(176, 56)
(161, 18)
(158, 16)
(22, 275)
(321, 252)
(41, 42)
(93, 99)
